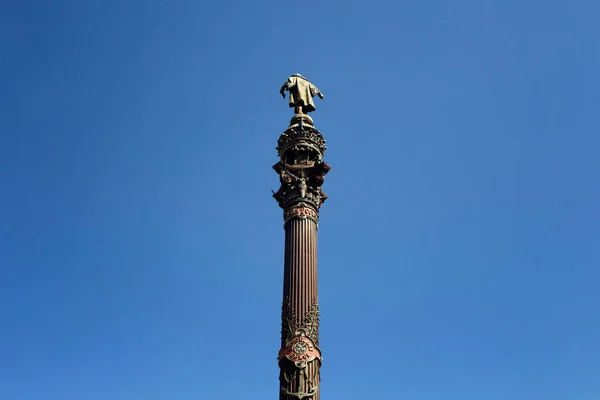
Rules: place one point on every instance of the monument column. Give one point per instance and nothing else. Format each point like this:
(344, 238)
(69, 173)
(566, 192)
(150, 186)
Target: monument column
(301, 172)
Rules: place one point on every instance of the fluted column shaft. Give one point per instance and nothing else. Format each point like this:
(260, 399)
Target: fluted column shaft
(300, 284)
(301, 171)
(300, 293)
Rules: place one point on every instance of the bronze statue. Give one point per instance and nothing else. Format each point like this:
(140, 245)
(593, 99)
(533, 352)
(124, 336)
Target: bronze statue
(301, 93)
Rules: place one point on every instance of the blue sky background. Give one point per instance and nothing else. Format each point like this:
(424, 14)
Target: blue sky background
(141, 252)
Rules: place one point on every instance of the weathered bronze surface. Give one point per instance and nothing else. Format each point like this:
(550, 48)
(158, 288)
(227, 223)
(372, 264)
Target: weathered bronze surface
(301, 168)
(301, 93)
(301, 171)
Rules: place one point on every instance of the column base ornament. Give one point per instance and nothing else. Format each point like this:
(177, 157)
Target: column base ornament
(300, 357)
(300, 360)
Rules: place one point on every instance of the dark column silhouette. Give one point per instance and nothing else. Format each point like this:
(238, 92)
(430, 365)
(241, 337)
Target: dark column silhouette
(301, 173)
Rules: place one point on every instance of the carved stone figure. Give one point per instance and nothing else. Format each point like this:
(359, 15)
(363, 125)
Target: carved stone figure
(301, 93)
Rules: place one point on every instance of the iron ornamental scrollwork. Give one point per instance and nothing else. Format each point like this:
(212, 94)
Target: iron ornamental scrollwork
(301, 169)
(301, 137)
(292, 322)
(300, 357)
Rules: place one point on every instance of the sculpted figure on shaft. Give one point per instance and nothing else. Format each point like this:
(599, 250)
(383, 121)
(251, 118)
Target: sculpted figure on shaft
(301, 93)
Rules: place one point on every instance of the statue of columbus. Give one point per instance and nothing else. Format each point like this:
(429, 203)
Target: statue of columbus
(301, 93)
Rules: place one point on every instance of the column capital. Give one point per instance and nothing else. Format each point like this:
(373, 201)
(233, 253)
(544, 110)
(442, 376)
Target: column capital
(301, 168)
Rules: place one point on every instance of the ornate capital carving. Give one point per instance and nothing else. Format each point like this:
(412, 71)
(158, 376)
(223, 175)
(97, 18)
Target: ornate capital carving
(301, 168)
(301, 138)
(301, 183)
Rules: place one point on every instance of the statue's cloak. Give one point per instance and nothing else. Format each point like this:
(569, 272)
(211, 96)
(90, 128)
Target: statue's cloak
(301, 92)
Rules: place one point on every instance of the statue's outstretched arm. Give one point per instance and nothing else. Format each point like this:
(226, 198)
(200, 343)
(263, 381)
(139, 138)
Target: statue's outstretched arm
(282, 90)
(314, 91)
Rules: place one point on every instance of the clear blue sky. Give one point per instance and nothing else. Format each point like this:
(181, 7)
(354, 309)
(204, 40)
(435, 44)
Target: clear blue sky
(141, 253)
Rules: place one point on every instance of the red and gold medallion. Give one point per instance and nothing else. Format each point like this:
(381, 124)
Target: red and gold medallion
(300, 348)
